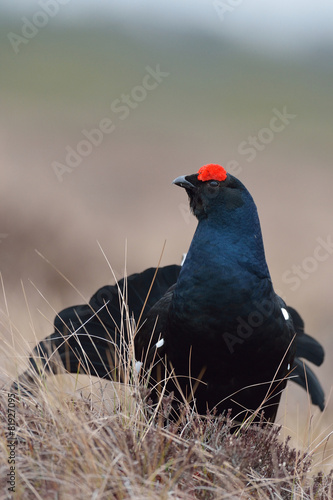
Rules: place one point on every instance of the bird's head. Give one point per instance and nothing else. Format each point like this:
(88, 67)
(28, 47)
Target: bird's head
(211, 190)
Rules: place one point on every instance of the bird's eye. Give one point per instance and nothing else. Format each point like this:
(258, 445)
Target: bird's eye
(213, 183)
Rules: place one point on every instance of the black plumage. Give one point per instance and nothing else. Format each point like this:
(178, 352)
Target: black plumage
(215, 323)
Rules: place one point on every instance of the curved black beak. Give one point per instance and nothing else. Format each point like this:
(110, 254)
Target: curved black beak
(183, 182)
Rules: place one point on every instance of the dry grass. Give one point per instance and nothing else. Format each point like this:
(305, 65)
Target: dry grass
(77, 436)
(79, 447)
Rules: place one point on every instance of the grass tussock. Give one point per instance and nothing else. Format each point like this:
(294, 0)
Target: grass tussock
(78, 448)
(77, 436)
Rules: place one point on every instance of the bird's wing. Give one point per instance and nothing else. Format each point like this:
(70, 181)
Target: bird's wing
(82, 342)
(139, 292)
(94, 337)
(149, 339)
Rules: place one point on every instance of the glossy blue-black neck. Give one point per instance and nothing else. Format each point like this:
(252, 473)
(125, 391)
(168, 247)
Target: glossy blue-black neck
(226, 253)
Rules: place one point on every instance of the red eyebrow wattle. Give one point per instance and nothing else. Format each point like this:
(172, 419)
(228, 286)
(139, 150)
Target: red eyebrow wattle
(212, 171)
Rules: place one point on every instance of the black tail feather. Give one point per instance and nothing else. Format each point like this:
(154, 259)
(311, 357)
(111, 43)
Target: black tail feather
(305, 377)
(306, 347)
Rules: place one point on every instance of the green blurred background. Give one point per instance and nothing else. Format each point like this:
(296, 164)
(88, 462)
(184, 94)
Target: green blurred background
(220, 90)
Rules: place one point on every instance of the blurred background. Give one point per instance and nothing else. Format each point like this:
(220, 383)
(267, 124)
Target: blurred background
(102, 106)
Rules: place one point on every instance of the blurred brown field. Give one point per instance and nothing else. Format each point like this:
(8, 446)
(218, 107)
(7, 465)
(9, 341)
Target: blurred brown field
(119, 198)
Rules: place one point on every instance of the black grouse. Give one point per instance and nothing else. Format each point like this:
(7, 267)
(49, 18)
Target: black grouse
(215, 325)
